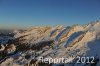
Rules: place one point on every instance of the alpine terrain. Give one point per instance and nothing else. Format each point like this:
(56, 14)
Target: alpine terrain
(78, 45)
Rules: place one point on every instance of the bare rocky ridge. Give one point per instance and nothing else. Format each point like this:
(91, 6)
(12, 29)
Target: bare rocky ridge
(24, 47)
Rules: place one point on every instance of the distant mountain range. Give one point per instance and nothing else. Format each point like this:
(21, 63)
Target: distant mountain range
(24, 47)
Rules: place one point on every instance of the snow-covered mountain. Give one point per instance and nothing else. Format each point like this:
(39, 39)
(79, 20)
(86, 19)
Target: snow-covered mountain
(79, 44)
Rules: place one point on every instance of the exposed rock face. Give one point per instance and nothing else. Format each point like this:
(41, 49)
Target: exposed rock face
(52, 42)
(2, 48)
(10, 49)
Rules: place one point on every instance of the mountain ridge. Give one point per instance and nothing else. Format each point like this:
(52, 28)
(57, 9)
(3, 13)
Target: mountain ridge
(54, 42)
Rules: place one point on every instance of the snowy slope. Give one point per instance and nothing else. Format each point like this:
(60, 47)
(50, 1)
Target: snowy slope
(53, 42)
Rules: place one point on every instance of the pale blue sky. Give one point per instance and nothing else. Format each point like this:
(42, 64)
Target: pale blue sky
(25, 13)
